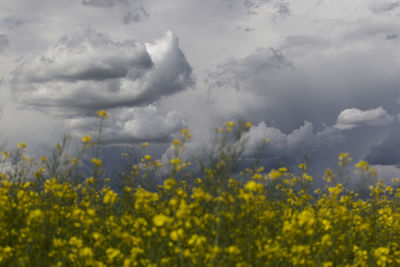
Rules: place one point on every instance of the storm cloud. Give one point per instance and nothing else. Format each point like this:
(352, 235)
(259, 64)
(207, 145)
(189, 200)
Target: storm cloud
(316, 77)
(89, 71)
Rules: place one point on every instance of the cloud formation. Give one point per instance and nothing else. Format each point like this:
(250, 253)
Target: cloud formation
(388, 151)
(309, 73)
(89, 71)
(131, 124)
(384, 6)
(354, 117)
(294, 146)
(237, 72)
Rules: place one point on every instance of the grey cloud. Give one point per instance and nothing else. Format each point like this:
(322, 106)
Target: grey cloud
(383, 7)
(136, 15)
(13, 21)
(104, 3)
(89, 71)
(252, 5)
(354, 117)
(315, 79)
(4, 42)
(134, 10)
(387, 152)
(282, 9)
(303, 42)
(391, 36)
(260, 63)
(318, 79)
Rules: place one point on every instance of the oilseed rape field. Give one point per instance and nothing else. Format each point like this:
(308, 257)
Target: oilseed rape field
(51, 214)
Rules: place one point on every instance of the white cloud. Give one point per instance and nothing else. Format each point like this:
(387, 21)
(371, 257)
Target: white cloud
(354, 117)
(301, 142)
(131, 124)
(387, 172)
(89, 71)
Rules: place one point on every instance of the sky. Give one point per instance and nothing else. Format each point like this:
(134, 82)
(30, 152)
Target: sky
(317, 77)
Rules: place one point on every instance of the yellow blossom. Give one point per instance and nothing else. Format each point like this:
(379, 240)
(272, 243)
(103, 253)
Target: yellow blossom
(103, 114)
(86, 139)
(98, 162)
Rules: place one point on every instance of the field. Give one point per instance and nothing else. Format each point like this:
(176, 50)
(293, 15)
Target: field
(51, 215)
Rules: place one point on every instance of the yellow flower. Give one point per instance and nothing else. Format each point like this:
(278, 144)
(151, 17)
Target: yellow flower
(21, 145)
(343, 156)
(174, 235)
(145, 144)
(110, 197)
(229, 125)
(176, 142)
(303, 166)
(328, 175)
(233, 250)
(103, 114)
(86, 252)
(74, 161)
(35, 215)
(160, 219)
(112, 253)
(86, 139)
(5, 154)
(251, 186)
(98, 162)
(361, 164)
(274, 174)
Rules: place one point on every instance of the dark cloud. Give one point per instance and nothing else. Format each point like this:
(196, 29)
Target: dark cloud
(315, 93)
(388, 152)
(282, 9)
(134, 10)
(104, 3)
(136, 15)
(303, 43)
(383, 7)
(13, 21)
(4, 42)
(260, 63)
(89, 71)
(391, 36)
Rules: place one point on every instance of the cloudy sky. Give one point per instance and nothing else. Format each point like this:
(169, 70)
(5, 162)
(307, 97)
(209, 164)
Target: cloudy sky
(317, 77)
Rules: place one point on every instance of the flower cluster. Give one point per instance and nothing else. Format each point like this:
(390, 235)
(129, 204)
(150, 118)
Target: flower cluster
(254, 218)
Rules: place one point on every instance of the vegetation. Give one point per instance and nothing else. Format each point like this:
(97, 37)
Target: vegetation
(211, 216)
